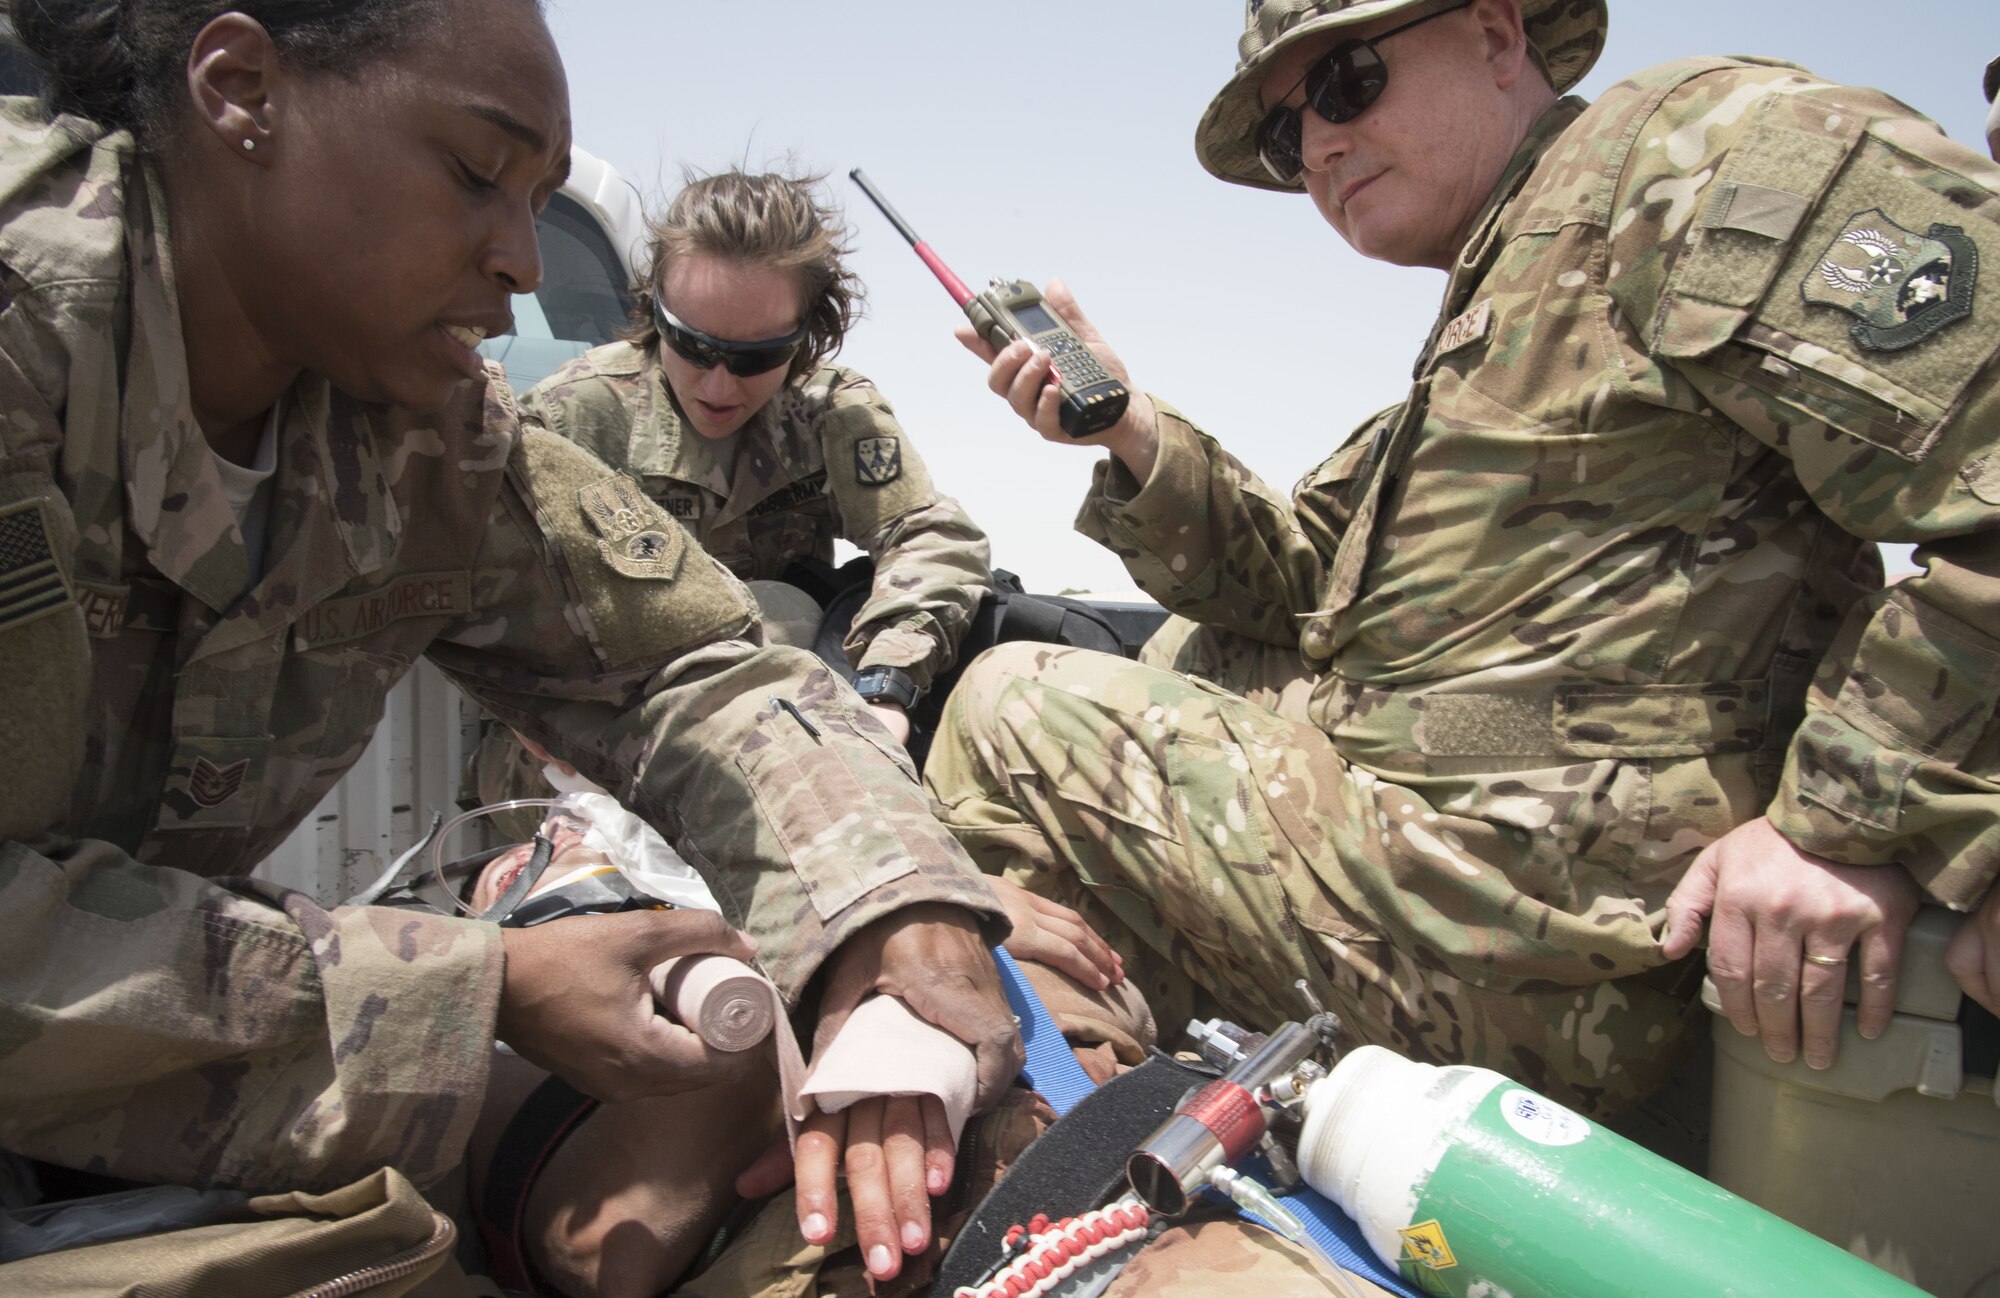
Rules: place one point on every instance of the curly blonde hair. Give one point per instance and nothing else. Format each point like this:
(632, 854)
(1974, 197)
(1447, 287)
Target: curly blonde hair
(769, 219)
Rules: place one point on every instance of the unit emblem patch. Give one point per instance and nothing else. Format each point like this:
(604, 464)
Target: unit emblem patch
(878, 461)
(1902, 286)
(638, 539)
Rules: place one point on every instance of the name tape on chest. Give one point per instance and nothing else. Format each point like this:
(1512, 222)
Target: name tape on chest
(685, 505)
(1466, 329)
(790, 497)
(103, 610)
(419, 594)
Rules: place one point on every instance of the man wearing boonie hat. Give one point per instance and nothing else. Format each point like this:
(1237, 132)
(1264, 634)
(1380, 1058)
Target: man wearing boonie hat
(1594, 619)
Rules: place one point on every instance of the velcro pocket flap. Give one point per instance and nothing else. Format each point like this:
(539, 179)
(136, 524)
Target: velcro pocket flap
(1743, 234)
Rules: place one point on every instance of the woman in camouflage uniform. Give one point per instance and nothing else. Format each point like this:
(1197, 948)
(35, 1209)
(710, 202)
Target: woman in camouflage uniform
(251, 466)
(723, 402)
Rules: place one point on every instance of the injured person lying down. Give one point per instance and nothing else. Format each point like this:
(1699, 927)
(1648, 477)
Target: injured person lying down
(714, 1191)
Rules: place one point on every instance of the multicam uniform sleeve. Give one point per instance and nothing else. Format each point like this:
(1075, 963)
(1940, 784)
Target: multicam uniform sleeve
(1823, 268)
(1209, 540)
(932, 563)
(155, 1025)
(602, 631)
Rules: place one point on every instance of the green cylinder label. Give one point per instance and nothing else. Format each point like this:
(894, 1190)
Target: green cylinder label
(1533, 1199)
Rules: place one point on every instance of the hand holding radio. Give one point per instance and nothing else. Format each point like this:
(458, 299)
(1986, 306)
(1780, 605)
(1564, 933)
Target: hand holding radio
(1087, 399)
(1020, 374)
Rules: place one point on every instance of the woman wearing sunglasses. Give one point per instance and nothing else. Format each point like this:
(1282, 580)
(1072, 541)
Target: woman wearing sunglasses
(725, 406)
(250, 467)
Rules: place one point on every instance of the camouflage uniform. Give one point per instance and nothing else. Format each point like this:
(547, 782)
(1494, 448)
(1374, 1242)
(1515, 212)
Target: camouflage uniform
(824, 460)
(165, 723)
(1603, 588)
(1271, 674)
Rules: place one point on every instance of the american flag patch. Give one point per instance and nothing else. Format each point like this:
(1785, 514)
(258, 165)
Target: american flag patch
(30, 583)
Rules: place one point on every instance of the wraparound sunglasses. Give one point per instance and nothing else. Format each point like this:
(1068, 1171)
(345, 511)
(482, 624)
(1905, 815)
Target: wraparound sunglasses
(706, 351)
(1339, 86)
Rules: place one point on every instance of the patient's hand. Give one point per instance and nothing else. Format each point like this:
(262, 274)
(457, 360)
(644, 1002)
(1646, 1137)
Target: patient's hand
(898, 1155)
(897, 1151)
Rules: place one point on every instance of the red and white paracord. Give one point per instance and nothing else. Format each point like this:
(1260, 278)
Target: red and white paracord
(1055, 1250)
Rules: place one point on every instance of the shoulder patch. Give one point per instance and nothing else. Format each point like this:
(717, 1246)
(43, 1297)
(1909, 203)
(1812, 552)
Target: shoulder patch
(1902, 286)
(878, 461)
(31, 585)
(634, 541)
(605, 532)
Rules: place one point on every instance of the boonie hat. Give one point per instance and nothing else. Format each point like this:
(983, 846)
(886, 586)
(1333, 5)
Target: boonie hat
(1567, 35)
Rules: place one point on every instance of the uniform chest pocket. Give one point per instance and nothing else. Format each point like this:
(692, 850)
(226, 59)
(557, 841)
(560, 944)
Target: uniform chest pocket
(1326, 496)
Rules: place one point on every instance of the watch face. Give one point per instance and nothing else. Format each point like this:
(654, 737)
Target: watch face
(882, 683)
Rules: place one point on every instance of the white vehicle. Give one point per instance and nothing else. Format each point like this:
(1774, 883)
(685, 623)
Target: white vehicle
(593, 238)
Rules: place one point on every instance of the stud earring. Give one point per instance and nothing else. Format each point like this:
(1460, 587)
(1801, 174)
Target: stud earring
(249, 144)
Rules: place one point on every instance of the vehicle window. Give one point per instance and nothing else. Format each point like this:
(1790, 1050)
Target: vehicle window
(585, 292)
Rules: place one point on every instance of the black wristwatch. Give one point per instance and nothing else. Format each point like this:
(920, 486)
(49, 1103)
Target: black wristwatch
(886, 685)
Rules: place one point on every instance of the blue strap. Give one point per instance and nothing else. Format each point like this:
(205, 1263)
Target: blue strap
(1053, 1071)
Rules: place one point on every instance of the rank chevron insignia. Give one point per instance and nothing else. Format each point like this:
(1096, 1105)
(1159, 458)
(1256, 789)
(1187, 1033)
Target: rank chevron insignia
(211, 785)
(1902, 286)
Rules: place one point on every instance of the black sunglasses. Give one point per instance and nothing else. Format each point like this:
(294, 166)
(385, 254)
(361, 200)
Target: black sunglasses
(706, 351)
(1339, 86)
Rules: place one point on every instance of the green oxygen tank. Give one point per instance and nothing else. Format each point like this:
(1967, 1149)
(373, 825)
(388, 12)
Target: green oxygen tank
(1476, 1187)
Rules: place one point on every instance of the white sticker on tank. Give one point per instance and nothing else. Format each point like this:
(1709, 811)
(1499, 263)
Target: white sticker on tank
(1542, 1120)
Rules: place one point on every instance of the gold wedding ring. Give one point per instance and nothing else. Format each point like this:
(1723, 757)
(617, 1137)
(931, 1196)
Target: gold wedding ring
(1831, 961)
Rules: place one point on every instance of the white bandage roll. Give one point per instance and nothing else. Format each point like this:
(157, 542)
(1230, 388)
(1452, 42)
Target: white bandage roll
(723, 1001)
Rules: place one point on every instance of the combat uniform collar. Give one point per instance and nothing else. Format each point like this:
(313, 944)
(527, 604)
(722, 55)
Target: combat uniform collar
(766, 459)
(325, 488)
(1489, 230)
(30, 148)
(684, 455)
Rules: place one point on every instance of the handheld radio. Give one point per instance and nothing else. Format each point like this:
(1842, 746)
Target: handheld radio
(1092, 399)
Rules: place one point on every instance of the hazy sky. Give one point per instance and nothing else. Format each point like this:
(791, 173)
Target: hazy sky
(1053, 137)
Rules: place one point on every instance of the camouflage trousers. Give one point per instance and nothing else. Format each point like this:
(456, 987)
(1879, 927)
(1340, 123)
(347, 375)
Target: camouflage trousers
(1129, 794)
(1271, 676)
